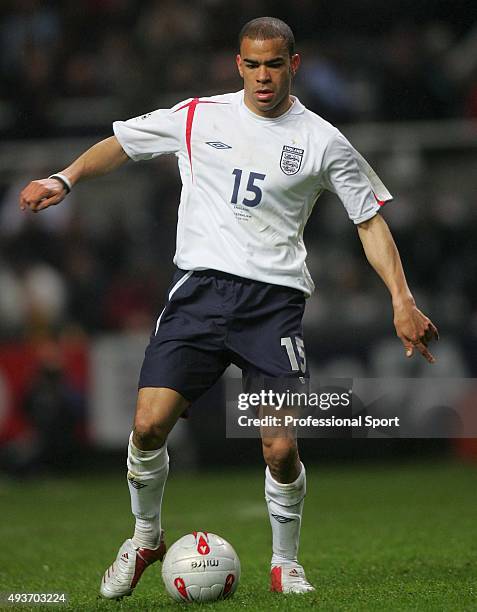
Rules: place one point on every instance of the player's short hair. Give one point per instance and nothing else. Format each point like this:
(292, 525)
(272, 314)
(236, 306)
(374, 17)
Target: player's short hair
(266, 28)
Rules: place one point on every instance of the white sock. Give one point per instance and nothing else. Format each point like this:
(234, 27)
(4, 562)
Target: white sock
(147, 475)
(285, 508)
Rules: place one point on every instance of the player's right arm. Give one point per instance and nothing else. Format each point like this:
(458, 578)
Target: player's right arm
(102, 158)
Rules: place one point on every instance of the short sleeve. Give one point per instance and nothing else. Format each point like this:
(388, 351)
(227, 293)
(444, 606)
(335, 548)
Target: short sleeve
(153, 134)
(348, 174)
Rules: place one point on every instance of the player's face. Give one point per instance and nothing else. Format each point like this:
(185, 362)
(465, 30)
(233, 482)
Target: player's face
(267, 70)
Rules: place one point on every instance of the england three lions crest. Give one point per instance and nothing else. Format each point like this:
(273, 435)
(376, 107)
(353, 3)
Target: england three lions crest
(290, 161)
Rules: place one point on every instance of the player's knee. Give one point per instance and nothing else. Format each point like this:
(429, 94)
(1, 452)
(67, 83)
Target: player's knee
(281, 456)
(148, 434)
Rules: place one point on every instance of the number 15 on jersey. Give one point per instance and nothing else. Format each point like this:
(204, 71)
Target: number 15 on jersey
(252, 187)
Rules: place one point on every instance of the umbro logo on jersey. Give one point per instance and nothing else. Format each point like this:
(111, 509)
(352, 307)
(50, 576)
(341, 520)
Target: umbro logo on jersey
(282, 519)
(218, 145)
(290, 161)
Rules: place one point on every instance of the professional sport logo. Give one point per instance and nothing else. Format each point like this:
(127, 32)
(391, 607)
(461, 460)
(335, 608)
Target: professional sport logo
(290, 161)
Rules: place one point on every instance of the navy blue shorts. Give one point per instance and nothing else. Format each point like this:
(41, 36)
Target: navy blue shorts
(212, 319)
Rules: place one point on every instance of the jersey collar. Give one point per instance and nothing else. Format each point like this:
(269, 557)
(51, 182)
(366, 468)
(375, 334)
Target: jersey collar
(295, 109)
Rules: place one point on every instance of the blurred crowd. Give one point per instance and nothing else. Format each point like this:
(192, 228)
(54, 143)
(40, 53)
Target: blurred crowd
(361, 60)
(102, 261)
(71, 268)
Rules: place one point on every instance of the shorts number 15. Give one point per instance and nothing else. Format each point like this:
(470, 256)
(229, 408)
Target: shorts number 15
(300, 346)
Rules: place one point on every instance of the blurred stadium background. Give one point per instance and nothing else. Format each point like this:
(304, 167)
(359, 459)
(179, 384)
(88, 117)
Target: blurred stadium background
(81, 285)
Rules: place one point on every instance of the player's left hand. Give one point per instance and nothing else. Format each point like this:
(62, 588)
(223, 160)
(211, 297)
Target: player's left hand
(415, 330)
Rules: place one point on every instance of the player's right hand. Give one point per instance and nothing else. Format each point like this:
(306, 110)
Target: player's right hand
(41, 194)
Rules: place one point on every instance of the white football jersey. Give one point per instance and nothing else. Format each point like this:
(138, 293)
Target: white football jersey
(249, 183)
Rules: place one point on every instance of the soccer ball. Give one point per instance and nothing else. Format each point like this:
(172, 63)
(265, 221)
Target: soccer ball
(200, 567)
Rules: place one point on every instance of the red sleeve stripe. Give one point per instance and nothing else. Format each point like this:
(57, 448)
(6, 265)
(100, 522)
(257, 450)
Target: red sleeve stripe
(380, 202)
(191, 106)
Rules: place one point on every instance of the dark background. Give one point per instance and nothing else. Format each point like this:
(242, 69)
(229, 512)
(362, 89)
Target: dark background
(399, 79)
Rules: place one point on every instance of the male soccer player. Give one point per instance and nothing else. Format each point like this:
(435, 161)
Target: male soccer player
(252, 165)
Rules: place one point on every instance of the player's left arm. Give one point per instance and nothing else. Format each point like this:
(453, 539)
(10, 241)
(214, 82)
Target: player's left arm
(412, 326)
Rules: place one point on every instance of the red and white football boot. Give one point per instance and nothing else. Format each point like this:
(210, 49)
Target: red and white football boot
(124, 573)
(289, 578)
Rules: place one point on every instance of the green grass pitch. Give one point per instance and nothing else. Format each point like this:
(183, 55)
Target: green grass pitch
(373, 538)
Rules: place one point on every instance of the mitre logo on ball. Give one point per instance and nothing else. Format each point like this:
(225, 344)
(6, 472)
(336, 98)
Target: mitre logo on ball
(201, 566)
